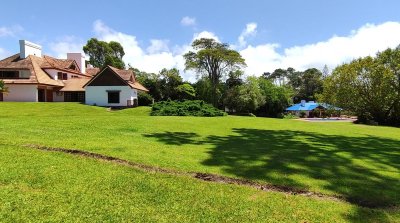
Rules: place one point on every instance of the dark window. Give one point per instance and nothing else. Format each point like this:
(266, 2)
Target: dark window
(113, 97)
(9, 74)
(74, 97)
(62, 76)
(72, 67)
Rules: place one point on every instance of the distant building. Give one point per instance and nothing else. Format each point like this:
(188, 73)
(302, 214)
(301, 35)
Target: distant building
(309, 108)
(33, 77)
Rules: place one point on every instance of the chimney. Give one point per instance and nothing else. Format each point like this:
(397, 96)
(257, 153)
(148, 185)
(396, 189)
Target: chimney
(27, 48)
(79, 59)
(303, 103)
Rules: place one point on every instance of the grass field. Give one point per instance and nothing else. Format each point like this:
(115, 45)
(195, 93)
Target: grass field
(356, 162)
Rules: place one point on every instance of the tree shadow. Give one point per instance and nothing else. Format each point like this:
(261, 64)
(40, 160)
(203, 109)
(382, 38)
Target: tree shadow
(175, 138)
(363, 170)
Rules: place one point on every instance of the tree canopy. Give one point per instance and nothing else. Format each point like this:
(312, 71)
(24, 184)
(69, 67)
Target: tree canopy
(102, 53)
(214, 60)
(368, 86)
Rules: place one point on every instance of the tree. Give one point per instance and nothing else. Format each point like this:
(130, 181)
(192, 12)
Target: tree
(203, 90)
(3, 88)
(169, 81)
(368, 86)
(277, 98)
(102, 53)
(214, 60)
(311, 85)
(185, 91)
(246, 97)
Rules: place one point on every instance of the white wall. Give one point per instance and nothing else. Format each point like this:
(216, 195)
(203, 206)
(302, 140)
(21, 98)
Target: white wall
(79, 59)
(22, 92)
(98, 95)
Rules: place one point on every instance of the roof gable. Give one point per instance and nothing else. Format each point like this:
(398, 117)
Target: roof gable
(107, 77)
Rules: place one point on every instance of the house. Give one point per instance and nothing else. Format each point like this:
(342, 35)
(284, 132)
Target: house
(33, 77)
(311, 108)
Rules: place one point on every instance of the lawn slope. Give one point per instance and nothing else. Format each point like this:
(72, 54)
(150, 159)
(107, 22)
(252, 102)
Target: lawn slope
(360, 163)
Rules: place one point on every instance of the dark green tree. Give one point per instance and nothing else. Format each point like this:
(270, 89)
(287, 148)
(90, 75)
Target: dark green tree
(214, 60)
(169, 81)
(185, 91)
(102, 53)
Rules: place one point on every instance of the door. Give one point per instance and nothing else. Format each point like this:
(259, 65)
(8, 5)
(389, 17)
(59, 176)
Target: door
(1, 96)
(49, 95)
(41, 95)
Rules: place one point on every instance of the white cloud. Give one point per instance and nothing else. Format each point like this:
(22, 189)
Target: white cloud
(4, 53)
(188, 21)
(156, 57)
(367, 40)
(264, 57)
(250, 30)
(67, 44)
(157, 46)
(205, 34)
(10, 31)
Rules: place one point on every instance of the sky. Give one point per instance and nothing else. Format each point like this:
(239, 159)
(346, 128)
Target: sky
(156, 33)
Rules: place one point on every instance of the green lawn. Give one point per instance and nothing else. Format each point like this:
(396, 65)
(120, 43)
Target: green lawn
(357, 162)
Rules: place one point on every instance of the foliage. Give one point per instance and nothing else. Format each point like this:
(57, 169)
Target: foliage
(3, 88)
(289, 116)
(161, 86)
(277, 98)
(102, 53)
(305, 85)
(145, 99)
(368, 86)
(169, 81)
(246, 97)
(203, 89)
(185, 108)
(185, 91)
(214, 60)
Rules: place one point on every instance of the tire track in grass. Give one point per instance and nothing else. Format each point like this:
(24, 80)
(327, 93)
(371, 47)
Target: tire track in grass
(204, 176)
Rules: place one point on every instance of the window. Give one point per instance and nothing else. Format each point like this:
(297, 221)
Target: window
(62, 76)
(113, 97)
(9, 74)
(74, 76)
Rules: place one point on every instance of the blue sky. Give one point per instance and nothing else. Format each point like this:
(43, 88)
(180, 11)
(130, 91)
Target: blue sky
(270, 34)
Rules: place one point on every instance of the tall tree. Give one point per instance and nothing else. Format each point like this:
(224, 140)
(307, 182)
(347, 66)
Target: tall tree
(102, 53)
(367, 86)
(170, 80)
(214, 60)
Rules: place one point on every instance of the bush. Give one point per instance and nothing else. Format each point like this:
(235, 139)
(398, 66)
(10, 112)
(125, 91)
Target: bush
(185, 108)
(145, 99)
(289, 116)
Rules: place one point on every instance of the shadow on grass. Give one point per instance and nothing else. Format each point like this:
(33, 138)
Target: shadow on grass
(364, 170)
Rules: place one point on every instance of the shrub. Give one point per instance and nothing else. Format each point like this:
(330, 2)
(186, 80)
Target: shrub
(302, 114)
(145, 99)
(185, 108)
(289, 116)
